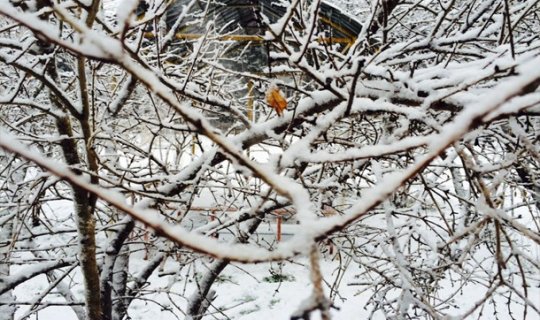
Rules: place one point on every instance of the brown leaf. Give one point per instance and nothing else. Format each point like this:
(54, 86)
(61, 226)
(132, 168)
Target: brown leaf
(275, 99)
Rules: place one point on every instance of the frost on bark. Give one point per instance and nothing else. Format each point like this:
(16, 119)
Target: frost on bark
(7, 311)
(114, 272)
(119, 285)
(203, 296)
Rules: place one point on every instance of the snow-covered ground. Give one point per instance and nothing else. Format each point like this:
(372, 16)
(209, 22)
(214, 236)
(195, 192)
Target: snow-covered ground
(262, 291)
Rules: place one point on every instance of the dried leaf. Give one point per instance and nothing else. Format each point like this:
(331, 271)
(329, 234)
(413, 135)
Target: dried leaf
(275, 99)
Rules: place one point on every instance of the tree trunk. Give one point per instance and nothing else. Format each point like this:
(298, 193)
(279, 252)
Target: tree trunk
(6, 311)
(84, 212)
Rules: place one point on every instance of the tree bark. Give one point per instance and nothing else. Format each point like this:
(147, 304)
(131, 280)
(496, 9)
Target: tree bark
(84, 211)
(6, 311)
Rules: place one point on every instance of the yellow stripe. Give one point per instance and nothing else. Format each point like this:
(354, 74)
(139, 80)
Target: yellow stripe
(254, 38)
(337, 27)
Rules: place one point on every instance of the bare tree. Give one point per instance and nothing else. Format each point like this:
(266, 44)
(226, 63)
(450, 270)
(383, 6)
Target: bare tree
(404, 134)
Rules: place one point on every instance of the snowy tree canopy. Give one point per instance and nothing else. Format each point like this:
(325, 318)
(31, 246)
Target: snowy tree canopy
(387, 149)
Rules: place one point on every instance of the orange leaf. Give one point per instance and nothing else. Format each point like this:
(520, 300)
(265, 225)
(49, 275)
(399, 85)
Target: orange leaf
(275, 99)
